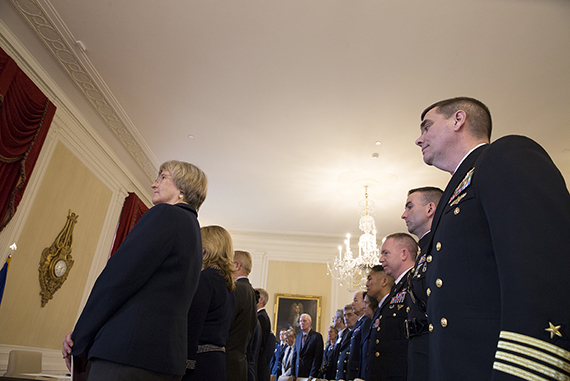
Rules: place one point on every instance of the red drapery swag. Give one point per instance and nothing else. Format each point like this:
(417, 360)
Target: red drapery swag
(25, 116)
(133, 209)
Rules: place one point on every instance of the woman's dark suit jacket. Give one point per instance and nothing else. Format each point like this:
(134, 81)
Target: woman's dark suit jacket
(137, 311)
(209, 322)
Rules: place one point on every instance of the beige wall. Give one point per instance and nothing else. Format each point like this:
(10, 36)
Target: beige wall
(67, 184)
(299, 278)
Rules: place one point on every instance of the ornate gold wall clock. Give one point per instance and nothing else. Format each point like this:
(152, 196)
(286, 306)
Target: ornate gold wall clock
(56, 261)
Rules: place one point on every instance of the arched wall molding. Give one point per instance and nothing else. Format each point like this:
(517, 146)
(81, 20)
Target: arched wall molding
(46, 23)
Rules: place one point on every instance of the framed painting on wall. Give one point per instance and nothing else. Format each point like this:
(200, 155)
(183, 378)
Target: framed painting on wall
(289, 307)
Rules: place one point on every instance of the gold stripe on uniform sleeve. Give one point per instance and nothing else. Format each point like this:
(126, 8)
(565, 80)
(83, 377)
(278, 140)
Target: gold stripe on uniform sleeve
(527, 340)
(533, 365)
(554, 361)
(517, 372)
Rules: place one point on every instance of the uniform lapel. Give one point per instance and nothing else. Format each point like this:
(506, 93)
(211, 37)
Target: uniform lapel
(396, 288)
(373, 324)
(457, 177)
(358, 324)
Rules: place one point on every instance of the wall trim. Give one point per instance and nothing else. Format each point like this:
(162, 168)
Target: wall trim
(48, 26)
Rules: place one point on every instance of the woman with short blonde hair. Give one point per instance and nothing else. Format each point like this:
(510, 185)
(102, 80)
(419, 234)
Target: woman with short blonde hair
(133, 325)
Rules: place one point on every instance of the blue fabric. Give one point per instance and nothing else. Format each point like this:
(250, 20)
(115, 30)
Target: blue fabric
(3, 275)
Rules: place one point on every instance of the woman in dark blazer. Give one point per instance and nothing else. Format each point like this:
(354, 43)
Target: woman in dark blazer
(212, 308)
(134, 325)
(328, 369)
(369, 311)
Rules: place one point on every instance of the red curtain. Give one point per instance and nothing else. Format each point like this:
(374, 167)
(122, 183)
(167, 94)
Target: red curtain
(25, 116)
(133, 209)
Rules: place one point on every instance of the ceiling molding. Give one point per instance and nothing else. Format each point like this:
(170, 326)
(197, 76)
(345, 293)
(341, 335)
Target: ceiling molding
(84, 75)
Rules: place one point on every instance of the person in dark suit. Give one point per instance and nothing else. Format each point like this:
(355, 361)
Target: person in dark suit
(328, 369)
(134, 323)
(308, 352)
(244, 319)
(278, 353)
(338, 322)
(267, 339)
(287, 360)
(212, 308)
(350, 319)
(418, 213)
(499, 252)
(252, 352)
(388, 347)
(360, 329)
(369, 311)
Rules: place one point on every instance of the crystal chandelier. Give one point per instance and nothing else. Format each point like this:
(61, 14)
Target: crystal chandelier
(348, 269)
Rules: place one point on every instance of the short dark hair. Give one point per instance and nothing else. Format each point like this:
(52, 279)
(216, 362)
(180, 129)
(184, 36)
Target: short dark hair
(477, 112)
(429, 194)
(373, 302)
(378, 269)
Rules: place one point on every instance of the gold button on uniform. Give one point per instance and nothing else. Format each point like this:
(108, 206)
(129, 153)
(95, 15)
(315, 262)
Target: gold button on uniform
(430, 327)
(438, 246)
(378, 329)
(428, 292)
(407, 309)
(377, 341)
(443, 322)
(439, 282)
(456, 211)
(377, 354)
(429, 258)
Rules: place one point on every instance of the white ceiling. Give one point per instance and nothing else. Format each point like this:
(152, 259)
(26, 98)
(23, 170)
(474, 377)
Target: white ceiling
(284, 96)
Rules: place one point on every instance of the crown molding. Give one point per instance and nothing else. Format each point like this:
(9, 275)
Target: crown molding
(46, 23)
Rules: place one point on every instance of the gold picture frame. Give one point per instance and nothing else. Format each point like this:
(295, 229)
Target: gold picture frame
(289, 306)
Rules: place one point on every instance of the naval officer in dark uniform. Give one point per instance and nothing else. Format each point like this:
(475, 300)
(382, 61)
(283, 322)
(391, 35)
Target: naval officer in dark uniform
(418, 215)
(360, 330)
(350, 319)
(387, 345)
(498, 306)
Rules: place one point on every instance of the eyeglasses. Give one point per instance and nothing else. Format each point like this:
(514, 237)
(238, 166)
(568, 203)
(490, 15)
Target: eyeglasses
(161, 177)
